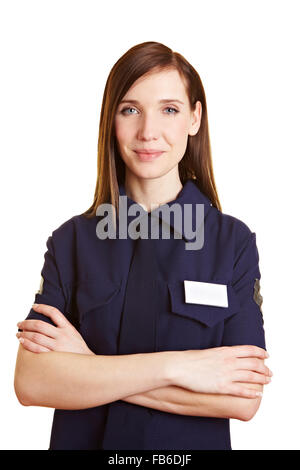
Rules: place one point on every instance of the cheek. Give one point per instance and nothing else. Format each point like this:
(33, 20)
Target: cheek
(176, 132)
(120, 132)
(182, 129)
(124, 131)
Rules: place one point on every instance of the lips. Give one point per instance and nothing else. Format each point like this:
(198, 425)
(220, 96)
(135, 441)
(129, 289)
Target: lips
(149, 150)
(147, 156)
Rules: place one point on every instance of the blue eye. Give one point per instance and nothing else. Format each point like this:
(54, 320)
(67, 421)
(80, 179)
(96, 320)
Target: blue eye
(125, 109)
(175, 111)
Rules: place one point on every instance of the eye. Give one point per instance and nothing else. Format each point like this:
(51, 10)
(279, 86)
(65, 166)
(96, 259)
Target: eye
(175, 110)
(125, 109)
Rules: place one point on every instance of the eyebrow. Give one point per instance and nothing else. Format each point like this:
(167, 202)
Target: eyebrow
(165, 100)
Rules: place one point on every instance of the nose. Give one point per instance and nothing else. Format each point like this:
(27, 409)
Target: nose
(148, 128)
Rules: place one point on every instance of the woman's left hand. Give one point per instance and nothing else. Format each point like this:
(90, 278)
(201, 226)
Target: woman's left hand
(39, 336)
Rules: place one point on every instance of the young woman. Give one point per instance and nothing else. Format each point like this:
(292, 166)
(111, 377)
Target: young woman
(151, 340)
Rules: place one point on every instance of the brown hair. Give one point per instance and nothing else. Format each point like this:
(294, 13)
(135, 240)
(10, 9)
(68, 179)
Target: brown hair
(149, 57)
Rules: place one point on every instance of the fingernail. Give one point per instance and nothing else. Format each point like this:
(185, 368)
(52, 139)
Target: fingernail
(271, 373)
(21, 340)
(35, 305)
(267, 354)
(268, 379)
(17, 335)
(258, 394)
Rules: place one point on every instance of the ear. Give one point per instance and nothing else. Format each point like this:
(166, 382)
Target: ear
(195, 119)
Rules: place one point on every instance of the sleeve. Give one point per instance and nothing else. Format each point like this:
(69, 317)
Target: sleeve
(52, 291)
(246, 326)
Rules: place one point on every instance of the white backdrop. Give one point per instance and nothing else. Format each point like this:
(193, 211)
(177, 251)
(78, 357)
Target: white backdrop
(55, 59)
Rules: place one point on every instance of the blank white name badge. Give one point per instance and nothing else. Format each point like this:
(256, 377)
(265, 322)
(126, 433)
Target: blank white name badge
(206, 293)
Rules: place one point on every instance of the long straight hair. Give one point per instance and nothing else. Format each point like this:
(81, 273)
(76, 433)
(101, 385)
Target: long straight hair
(196, 163)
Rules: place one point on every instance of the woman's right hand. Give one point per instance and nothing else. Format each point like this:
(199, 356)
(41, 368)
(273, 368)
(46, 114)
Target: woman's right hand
(224, 370)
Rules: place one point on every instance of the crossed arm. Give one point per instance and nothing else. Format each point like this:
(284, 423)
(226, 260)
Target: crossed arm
(66, 380)
(178, 400)
(78, 387)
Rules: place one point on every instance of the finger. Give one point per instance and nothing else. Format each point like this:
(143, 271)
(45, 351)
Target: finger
(249, 351)
(37, 338)
(36, 348)
(240, 390)
(52, 312)
(256, 365)
(250, 377)
(40, 326)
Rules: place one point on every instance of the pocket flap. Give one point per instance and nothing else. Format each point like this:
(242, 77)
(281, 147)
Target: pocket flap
(94, 293)
(210, 315)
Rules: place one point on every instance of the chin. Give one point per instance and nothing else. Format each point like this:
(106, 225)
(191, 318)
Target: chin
(149, 172)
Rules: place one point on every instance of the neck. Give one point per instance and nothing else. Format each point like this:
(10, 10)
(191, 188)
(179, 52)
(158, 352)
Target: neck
(153, 192)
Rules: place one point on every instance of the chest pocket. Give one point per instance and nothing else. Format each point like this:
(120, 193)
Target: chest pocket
(93, 295)
(209, 315)
(98, 304)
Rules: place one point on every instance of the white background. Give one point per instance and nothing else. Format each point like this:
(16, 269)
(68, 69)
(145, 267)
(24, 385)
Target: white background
(55, 59)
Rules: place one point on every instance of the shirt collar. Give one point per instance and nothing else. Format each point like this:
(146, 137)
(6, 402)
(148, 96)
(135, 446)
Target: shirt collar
(189, 194)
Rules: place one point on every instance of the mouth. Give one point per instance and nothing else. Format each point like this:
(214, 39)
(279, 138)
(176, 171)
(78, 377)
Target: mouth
(148, 156)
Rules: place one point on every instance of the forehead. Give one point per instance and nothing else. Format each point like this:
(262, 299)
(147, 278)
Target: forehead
(156, 86)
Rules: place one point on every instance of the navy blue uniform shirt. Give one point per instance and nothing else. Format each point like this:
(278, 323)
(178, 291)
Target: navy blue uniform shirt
(127, 296)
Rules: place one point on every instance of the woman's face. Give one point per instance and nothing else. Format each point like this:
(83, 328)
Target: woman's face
(148, 123)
